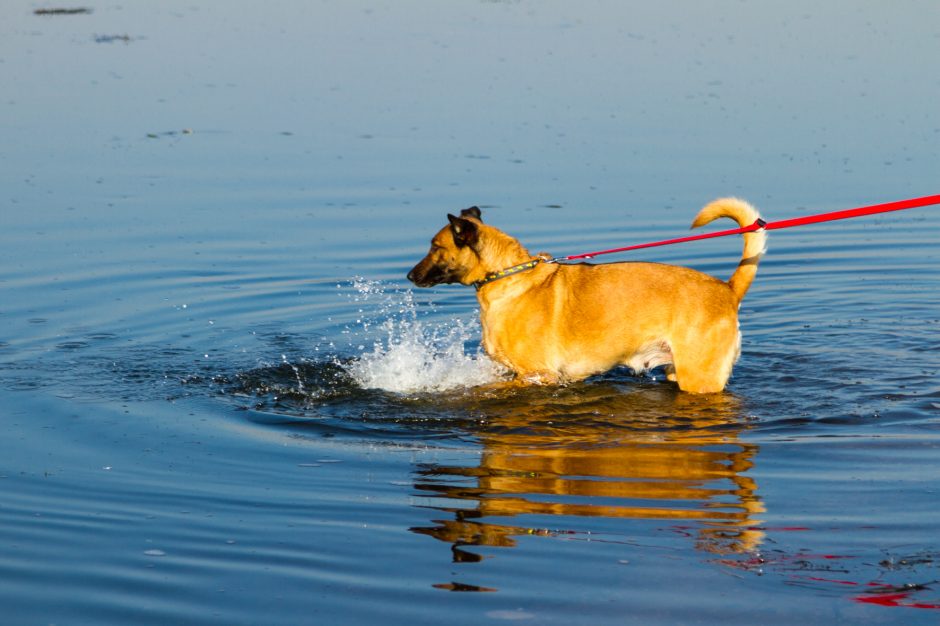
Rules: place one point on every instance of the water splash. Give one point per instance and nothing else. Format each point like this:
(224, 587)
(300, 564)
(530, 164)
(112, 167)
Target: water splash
(410, 353)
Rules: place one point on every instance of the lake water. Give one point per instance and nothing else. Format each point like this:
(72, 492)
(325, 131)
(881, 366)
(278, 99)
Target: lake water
(221, 401)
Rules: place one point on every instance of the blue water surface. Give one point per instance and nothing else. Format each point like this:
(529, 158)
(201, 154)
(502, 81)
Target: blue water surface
(221, 401)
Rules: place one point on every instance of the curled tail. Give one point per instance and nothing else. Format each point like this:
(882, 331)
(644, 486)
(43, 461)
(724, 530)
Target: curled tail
(754, 242)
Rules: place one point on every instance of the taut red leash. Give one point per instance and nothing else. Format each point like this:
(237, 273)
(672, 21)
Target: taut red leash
(761, 224)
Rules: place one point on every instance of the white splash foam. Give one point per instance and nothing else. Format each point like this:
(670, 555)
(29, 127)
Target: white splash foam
(410, 354)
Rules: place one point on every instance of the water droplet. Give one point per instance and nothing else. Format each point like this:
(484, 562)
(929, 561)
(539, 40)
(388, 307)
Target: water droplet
(411, 354)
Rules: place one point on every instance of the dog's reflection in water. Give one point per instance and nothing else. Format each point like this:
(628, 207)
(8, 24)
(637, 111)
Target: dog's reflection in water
(598, 450)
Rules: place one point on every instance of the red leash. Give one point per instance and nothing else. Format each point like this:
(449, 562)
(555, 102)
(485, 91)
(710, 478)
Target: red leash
(761, 224)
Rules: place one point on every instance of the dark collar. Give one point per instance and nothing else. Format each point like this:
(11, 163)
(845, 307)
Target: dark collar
(509, 271)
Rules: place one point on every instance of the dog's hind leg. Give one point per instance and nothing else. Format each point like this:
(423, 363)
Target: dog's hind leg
(702, 375)
(704, 366)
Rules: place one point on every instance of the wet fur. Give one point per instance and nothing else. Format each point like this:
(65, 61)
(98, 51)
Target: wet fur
(558, 323)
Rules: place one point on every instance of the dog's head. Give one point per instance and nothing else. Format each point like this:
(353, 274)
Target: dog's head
(453, 257)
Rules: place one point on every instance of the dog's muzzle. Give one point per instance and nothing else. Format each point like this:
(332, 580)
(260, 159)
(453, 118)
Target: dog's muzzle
(413, 277)
(424, 276)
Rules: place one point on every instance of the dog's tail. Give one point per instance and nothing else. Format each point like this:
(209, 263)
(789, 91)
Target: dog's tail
(754, 242)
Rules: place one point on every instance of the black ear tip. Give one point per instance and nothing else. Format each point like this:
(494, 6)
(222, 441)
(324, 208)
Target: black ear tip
(473, 211)
(465, 231)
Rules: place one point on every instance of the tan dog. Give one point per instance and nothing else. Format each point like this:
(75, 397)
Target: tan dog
(554, 323)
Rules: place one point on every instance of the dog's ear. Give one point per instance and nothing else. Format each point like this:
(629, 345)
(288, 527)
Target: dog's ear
(473, 211)
(465, 232)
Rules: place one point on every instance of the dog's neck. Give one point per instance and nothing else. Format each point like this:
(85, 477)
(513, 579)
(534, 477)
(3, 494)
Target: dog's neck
(501, 251)
(503, 256)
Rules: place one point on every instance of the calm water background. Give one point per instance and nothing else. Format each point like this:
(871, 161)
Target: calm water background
(221, 402)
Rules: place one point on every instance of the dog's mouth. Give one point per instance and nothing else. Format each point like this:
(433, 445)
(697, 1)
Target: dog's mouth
(433, 276)
(421, 283)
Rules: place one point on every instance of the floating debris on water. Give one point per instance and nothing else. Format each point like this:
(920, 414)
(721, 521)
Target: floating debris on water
(112, 38)
(455, 586)
(170, 133)
(72, 11)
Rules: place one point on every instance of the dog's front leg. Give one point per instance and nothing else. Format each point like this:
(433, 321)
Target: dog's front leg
(519, 381)
(670, 372)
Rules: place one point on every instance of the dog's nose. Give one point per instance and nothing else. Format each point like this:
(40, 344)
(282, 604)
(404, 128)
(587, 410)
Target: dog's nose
(411, 276)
